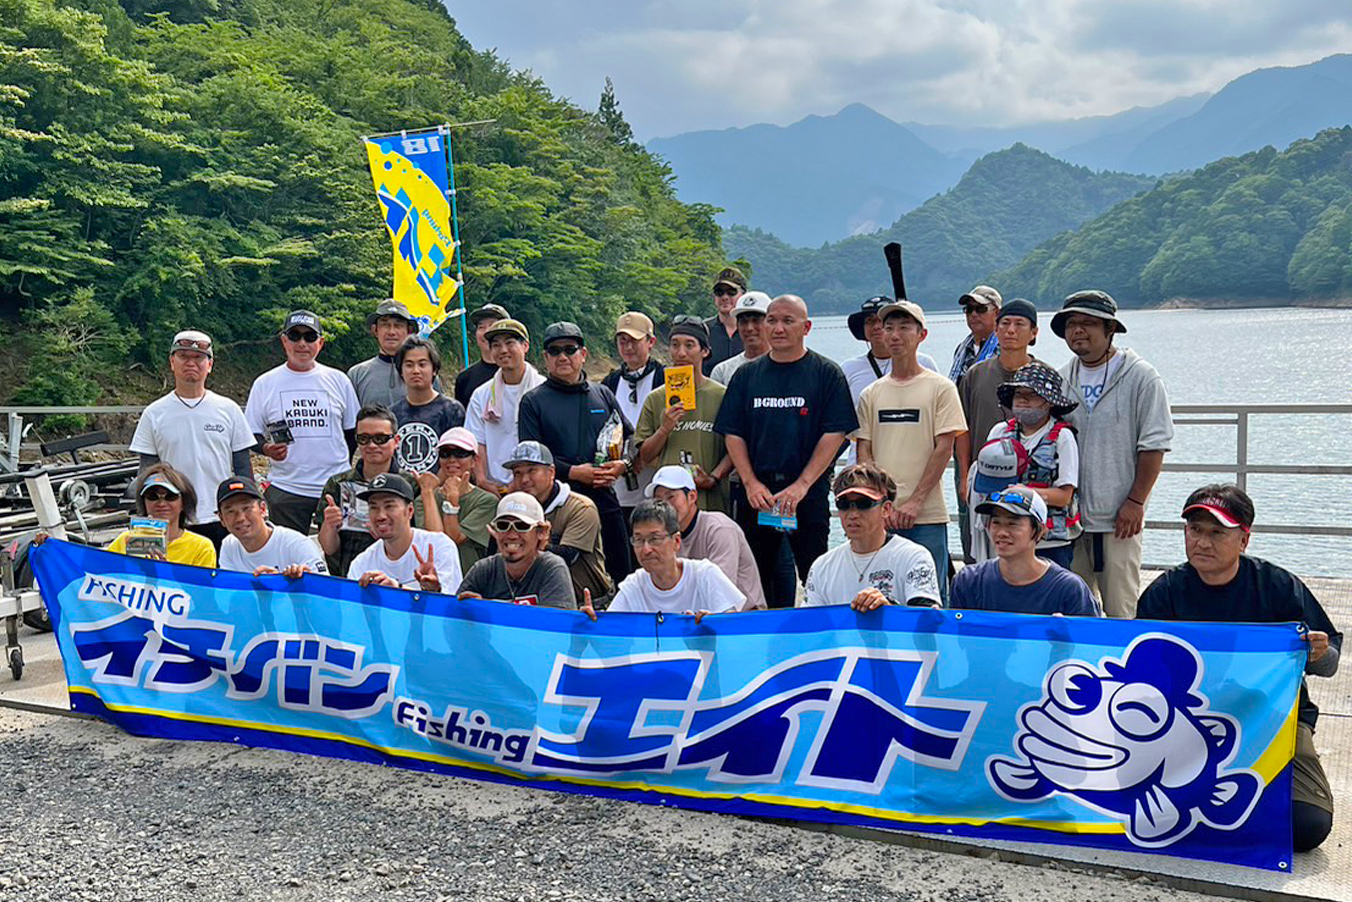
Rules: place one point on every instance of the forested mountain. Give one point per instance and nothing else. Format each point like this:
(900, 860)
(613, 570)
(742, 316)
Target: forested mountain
(1002, 208)
(1266, 226)
(176, 163)
(817, 180)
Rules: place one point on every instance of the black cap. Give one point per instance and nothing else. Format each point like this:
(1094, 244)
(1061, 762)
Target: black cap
(1018, 307)
(1090, 303)
(692, 326)
(236, 485)
(488, 311)
(556, 331)
(302, 318)
(871, 307)
(391, 307)
(388, 484)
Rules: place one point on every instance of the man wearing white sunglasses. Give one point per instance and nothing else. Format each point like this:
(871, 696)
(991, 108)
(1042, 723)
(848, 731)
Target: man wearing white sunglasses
(523, 571)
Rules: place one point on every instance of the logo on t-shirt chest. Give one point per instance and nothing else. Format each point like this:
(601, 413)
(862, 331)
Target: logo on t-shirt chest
(417, 451)
(899, 415)
(784, 403)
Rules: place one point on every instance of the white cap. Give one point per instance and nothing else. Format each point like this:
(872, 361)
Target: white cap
(458, 437)
(671, 477)
(752, 302)
(522, 506)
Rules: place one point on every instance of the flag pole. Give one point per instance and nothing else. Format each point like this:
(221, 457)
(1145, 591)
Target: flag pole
(455, 236)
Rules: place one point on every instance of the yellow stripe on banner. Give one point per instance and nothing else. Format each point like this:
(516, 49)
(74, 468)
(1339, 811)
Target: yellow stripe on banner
(1282, 749)
(898, 817)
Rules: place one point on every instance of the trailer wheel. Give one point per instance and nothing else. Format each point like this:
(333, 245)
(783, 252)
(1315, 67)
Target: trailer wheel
(16, 662)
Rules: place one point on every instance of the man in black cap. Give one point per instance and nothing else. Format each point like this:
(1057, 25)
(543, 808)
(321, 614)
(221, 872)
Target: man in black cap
(1016, 328)
(303, 415)
(670, 435)
(376, 381)
(724, 342)
(1123, 428)
(567, 414)
(403, 556)
(471, 377)
(1220, 583)
(256, 546)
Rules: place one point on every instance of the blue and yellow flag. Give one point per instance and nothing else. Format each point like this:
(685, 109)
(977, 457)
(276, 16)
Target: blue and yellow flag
(411, 180)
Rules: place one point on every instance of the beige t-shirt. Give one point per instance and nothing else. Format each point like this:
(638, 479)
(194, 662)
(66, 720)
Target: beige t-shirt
(902, 420)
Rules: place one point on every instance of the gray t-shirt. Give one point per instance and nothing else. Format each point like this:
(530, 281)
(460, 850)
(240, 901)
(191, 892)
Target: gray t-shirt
(547, 583)
(376, 382)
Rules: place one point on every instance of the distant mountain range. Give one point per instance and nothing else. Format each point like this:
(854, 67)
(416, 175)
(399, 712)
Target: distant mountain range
(1006, 204)
(827, 177)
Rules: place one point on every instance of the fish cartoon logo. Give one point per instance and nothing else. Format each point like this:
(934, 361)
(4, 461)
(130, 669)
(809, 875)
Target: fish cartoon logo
(1133, 739)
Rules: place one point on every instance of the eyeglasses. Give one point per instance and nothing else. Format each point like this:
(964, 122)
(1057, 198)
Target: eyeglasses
(725, 291)
(297, 335)
(1015, 498)
(511, 524)
(457, 453)
(650, 541)
(565, 350)
(857, 504)
(193, 344)
(373, 438)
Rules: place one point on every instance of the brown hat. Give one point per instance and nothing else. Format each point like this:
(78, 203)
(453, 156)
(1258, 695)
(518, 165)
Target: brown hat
(982, 294)
(634, 324)
(512, 327)
(731, 276)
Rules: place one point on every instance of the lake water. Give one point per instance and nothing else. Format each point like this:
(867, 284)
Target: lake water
(1276, 356)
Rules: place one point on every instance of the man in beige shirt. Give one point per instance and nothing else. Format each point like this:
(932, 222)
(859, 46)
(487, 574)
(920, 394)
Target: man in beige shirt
(908, 422)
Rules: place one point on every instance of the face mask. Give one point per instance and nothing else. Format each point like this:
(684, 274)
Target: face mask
(1029, 416)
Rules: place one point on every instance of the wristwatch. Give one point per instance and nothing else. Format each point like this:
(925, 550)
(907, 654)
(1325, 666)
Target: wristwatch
(448, 508)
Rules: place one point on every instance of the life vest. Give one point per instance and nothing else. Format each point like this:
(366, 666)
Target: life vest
(1041, 472)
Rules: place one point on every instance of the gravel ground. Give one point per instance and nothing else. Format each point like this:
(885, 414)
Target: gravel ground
(94, 814)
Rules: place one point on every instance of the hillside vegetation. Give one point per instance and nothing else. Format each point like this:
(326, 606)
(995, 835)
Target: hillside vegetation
(1266, 226)
(1005, 205)
(196, 163)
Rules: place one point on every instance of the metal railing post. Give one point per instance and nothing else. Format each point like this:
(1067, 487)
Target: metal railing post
(1242, 450)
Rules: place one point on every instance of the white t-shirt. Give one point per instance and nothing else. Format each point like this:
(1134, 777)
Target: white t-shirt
(702, 587)
(444, 552)
(901, 570)
(722, 372)
(1093, 381)
(498, 437)
(646, 385)
(197, 438)
(318, 405)
(283, 548)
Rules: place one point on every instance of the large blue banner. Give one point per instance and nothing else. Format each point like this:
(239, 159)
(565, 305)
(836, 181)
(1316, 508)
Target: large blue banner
(1173, 738)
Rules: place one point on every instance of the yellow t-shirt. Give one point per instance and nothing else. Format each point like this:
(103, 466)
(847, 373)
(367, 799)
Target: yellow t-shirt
(188, 548)
(902, 420)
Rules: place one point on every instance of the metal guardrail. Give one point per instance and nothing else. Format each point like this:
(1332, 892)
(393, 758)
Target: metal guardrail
(1236, 415)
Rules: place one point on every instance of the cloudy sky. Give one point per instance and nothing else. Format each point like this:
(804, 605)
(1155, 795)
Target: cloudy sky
(680, 65)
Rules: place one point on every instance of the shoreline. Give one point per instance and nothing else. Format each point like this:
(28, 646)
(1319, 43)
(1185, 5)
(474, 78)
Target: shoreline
(1254, 304)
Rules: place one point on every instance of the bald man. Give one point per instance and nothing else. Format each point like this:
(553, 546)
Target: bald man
(785, 416)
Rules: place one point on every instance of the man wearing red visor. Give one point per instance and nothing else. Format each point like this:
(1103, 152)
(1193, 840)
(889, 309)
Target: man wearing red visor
(1222, 583)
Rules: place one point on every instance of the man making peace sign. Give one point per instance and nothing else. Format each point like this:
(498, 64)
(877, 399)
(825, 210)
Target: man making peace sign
(402, 556)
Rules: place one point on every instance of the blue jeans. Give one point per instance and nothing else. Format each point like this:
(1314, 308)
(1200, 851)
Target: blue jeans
(933, 537)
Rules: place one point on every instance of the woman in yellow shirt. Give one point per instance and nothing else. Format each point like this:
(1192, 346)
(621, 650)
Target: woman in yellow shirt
(165, 494)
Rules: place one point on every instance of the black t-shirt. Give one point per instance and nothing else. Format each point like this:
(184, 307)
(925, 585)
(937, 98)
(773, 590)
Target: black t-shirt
(721, 345)
(1260, 593)
(419, 429)
(470, 378)
(781, 411)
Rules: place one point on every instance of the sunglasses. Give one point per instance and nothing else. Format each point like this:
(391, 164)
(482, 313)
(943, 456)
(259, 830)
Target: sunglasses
(1015, 498)
(565, 350)
(457, 453)
(159, 495)
(723, 291)
(511, 524)
(857, 503)
(298, 335)
(374, 438)
(192, 344)
(686, 319)
(975, 308)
